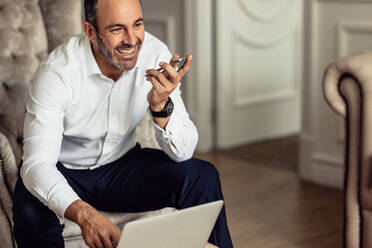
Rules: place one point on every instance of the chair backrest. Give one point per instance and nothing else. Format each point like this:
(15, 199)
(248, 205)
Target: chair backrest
(28, 30)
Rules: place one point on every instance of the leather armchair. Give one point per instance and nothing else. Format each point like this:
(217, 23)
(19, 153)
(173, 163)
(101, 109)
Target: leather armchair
(29, 29)
(347, 88)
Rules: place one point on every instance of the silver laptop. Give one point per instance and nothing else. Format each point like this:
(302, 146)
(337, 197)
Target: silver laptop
(186, 228)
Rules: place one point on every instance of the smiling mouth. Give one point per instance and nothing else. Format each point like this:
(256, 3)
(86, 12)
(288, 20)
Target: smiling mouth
(124, 51)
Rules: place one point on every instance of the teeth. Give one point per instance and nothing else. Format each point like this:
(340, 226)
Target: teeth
(125, 51)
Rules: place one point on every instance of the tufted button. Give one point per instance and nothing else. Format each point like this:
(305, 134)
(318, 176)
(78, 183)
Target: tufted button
(20, 140)
(14, 56)
(5, 85)
(21, 30)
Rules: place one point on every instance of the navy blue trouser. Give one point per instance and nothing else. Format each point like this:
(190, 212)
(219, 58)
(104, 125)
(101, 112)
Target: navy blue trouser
(141, 180)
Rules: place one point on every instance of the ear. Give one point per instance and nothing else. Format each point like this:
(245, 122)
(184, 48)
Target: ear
(90, 31)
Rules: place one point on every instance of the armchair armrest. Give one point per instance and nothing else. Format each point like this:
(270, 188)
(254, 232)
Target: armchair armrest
(8, 165)
(8, 178)
(347, 87)
(348, 90)
(358, 67)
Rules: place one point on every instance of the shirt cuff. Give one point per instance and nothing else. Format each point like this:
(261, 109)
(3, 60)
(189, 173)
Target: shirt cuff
(61, 201)
(170, 132)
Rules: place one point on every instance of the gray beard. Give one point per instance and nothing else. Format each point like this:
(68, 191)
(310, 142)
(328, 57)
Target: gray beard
(107, 54)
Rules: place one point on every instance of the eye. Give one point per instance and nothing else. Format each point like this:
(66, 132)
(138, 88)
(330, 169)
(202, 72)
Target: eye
(138, 24)
(115, 30)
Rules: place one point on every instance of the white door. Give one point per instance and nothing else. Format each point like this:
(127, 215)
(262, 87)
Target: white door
(259, 66)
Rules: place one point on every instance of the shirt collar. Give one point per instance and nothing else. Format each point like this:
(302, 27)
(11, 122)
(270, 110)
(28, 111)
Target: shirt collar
(90, 62)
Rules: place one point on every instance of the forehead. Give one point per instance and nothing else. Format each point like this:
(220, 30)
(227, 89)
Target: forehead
(118, 11)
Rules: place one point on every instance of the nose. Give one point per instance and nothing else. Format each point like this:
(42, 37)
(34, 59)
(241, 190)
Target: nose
(129, 37)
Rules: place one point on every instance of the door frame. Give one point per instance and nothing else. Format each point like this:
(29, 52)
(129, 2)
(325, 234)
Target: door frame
(200, 80)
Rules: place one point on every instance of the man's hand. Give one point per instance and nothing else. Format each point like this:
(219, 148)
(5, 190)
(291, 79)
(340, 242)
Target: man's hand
(164, 83)
(97, 230)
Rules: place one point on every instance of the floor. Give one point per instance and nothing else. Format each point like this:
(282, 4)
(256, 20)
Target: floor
(279, 153)
(269, 206)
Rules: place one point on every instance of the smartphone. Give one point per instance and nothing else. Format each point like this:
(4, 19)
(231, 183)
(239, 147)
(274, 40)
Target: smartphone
(181, 63)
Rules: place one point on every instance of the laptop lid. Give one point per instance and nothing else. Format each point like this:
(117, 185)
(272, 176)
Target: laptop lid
(186, 228)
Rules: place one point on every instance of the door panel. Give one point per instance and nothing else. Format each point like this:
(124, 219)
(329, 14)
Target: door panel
(258, 70)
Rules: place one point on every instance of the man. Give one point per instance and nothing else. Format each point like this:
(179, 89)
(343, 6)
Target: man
(79, 149)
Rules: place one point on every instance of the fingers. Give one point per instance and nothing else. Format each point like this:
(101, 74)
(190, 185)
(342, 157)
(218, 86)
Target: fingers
(171, 72)
(161, 91)
(157, 85)
(90, 244)
(99, 232)
(159, 76)
(115, 236)
(110, 239)
(174, 58)
(157, 93)
(107, 242)
(98, 243)
(186, 67)
(165, 82)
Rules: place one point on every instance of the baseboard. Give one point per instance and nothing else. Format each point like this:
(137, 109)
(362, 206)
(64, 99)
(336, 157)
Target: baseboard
(320, 168)
(327, 172)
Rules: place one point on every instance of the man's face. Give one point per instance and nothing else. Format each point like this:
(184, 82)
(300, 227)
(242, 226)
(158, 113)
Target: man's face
(120, 32)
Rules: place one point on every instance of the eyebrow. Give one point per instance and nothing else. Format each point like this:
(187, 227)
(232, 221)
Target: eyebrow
(122, 25)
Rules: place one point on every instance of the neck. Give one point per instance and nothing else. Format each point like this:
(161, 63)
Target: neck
(106, 68)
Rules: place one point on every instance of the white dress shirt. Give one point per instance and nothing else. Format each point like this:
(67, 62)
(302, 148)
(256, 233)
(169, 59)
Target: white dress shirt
(83, 119)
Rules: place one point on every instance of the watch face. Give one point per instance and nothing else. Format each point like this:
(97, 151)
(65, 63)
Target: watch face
(169, 108)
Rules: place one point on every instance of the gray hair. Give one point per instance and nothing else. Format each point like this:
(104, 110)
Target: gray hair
(90, 11)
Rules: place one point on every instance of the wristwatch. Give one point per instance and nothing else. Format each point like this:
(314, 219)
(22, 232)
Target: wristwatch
(166, 111)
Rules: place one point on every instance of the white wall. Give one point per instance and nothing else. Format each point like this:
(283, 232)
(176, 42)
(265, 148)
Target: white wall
(333, 29)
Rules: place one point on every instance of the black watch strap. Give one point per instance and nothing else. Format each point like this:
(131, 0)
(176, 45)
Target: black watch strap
(166, 111)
